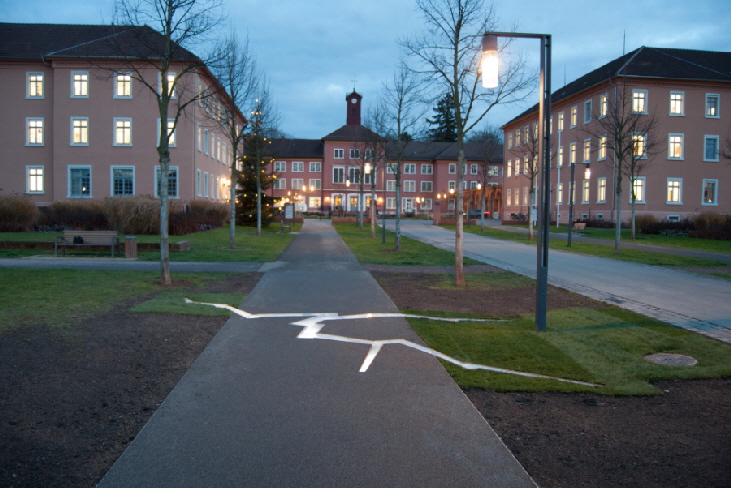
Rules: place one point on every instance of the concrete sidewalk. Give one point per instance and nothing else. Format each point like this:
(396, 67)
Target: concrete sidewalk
(689, 300)
(263, 408)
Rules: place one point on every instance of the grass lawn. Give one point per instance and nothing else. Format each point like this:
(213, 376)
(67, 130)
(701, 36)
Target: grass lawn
(210, 246)
(629, 255)
(604, 346)
(63, 297)
(413, 253)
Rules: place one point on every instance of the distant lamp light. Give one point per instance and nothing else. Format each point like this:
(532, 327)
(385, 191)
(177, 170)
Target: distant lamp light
(587, 173)
(347, 182)
(479, 186)
(489, 62)
(367, 168)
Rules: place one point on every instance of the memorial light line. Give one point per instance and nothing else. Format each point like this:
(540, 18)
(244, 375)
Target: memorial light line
(312, 324)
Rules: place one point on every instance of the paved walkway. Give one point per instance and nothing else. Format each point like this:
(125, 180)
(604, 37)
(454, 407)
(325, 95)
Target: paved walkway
(688, 300)
(264, 408)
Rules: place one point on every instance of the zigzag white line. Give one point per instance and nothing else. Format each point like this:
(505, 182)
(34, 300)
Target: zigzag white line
(313, 323)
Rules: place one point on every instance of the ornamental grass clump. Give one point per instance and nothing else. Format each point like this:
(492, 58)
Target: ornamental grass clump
(17, 213)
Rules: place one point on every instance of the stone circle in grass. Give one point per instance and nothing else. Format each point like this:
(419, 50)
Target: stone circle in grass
(669, 359)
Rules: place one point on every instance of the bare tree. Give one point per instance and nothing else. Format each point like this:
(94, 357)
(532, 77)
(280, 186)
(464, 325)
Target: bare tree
(240, 79)
(530, 151)
(627, 129)
(161, 62)
(370, 153)
(400, 111)
(447, 58)
(490, 148)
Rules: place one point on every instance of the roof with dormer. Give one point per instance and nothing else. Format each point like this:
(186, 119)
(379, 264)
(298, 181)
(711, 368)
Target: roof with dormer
(355, 133)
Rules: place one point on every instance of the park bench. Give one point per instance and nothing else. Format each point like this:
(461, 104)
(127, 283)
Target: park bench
(579, 226)
(86, 238)
(284, 226)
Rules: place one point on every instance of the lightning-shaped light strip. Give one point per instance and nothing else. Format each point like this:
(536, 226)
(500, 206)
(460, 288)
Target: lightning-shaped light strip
(312, 324)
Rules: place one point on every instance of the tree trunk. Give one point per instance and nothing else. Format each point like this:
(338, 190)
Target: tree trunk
(618, 223)
(164, 216)
(232, 206)
(634, 224)
(458, 210)
(482, 208)
(258, 194)
(531, 199)
(398, 209)
(373, 209)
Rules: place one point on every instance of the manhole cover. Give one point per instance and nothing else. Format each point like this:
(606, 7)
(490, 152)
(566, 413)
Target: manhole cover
(672, 359)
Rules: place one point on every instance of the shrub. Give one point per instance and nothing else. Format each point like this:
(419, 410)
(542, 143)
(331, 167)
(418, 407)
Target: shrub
(711, 225)
(214, 211)
(138, 214)
(17, 213)
(74, 214)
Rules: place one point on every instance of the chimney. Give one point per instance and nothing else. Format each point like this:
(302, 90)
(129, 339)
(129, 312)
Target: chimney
(353, 101)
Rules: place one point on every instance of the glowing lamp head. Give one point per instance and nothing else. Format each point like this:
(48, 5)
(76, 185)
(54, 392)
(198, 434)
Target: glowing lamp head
(587, 173)
(489, 62)
(367, 168)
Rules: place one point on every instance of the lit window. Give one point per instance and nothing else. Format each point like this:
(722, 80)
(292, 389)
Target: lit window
(298, 166)
(675, 191)
(452, 185)
(638, 190)
(675, 146)
(517, 138)
(603, 106)
(587, 150)
(508, 200)
(587, 111)
(79, 131)
(526, 194)
(639, 101)
(713, 103)
(710, 192)
(585, 191)
(602, 148)
(122, 132)
(410, 168)
(34, 87)
(172, 182)
(315, 167)
(572, 153)
(526, 167)
(677, 103)
(559, 157)
(510, 168)
(601, 190)
(123, 181)
(339, 154)
(79, 181)
(171, 83)
(639, 145)
(559, 194)
(574, 116)
(517, 166)
(34, 132)
(560, 121)
(710, 152)
(171, 135)
(79, 84)
(426, 203)
(315, 184)
(427, 169)
(34, 181)
(123, 85)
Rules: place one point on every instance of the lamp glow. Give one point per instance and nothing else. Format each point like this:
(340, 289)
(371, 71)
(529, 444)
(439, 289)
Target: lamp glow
(489, 62)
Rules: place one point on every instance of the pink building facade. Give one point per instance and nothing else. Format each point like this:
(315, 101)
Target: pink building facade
(323, 176)
(72, 129)
(685, 91)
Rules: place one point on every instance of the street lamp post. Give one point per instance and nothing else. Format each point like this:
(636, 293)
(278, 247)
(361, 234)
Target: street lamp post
(490, 79)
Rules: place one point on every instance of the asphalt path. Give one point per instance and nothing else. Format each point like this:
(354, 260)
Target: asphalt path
(689, 300)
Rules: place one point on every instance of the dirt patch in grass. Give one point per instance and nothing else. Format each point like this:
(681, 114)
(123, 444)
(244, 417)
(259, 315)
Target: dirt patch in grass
(679, 439)
(72, 399)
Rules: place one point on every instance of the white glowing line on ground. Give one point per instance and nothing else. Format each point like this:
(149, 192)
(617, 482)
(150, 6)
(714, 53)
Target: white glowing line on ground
(313, 323)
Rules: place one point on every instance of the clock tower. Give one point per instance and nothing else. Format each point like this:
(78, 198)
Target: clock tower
(353, 101)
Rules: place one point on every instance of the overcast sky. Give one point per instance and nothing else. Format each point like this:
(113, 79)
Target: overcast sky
(312, 50)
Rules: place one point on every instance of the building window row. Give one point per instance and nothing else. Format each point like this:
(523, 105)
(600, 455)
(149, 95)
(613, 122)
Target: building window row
(79, 131)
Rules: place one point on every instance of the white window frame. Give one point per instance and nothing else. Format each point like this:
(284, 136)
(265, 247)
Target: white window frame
(31, 86)
(452, 185)
(526, 195)
(37, 130)
(172, 137)
(280, 184)
(587, 150)
(70, 183)
(643, 135)
(713, 203)
(83, 131)
(390, 203)
(706, 137)
(718, 106)
(355, 154)
(391, 185)
(677, 187)
(603, 105)
(315, 167)
(585, 191)
(587, 111)
(427, 169)
(112, 180)
(34, 181)
(674, 102)
(298, 166)
(198, 175)
(177, 181)
(493, 170)
(125, 84)
(643, 188)
(473, 168)
(315, 184)
(559, 194)
(408, 186)
(510, 140)
(509, 198)
(407, 204)
(391, 168)
(339, 153)
(601, 190)
(117, 121)
(559, 157)
(409, 168)
(452, 168)
(83, 84)
(574, 116)
(341, 170)
(426, 187)
(426, 204)
(602, 148)
(205, 184)
(560, 121)
(280, 166)
(672, 144)
(510, 168)
(635, 101)
(171, 80)
(298, 183)
(572, 153)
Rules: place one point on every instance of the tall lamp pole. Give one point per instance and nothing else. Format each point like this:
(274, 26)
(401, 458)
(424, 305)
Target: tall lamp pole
(490, 80)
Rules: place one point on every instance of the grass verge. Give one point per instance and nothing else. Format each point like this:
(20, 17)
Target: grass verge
(174, 302)
(413, 253)
(64, 297)
(604, 346)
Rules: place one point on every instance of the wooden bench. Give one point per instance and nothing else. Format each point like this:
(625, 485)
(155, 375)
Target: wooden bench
(86, 238)
(284, 226)
(579, 226)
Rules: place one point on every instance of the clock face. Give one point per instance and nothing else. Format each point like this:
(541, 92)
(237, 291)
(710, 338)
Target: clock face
(353, 100)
